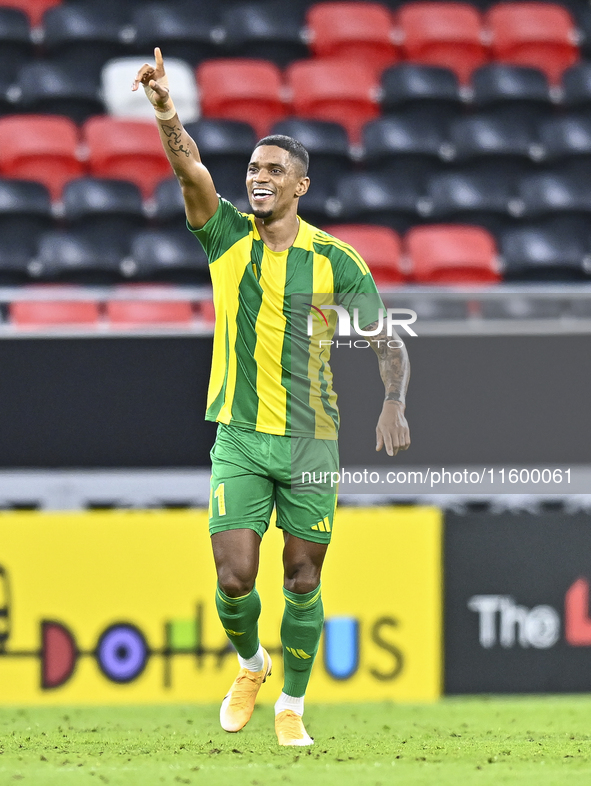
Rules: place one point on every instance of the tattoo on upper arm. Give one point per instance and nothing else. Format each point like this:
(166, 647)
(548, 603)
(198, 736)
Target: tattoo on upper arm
(173, 133)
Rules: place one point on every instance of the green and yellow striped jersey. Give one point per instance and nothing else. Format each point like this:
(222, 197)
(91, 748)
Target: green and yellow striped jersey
(267, 374)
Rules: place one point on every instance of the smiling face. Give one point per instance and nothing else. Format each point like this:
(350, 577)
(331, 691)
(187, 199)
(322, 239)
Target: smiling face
(275, 180)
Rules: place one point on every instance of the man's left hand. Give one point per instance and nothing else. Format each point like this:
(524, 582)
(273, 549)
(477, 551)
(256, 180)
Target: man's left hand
(392, 430)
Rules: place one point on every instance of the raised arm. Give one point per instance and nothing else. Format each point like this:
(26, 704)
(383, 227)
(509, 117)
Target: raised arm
(392, 430)
(201, 200)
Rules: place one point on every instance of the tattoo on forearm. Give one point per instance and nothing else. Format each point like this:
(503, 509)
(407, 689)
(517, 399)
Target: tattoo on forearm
(173, 134)
(393, 362)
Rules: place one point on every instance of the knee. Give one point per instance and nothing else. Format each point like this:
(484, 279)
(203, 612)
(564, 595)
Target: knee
(234, 584)
(301, 578)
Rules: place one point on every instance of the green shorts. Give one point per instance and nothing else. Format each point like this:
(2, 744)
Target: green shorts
(253, 472)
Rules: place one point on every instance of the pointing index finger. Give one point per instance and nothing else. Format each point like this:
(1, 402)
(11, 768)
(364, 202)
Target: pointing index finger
(158, 58)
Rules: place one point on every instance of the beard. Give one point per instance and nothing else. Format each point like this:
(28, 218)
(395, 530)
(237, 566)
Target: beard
(262, 213)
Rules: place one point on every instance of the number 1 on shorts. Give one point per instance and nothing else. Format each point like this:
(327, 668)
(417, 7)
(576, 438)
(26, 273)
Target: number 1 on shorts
(219, 495)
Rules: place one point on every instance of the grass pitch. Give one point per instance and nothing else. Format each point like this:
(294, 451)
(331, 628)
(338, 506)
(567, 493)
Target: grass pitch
(529, 741)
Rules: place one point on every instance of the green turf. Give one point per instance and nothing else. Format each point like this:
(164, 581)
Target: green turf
(529, 741)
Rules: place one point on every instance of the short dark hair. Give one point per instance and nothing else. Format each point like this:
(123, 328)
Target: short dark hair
(293, 147)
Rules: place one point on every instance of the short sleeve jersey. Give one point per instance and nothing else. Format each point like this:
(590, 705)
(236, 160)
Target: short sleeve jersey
(254, 383)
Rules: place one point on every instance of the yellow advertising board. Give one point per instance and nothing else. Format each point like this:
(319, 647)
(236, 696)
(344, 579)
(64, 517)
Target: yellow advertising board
(118, 607)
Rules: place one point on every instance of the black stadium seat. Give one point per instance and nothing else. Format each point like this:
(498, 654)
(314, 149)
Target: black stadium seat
(408, 84)
(169, 206)
(484, 199)
(269, 30)
(182, 31)
(379, 199)
(505, 87)
(552, 193)
(487, 135)
(25, 212)
(404, 144)
(84, 36)
(106, 206)
(79, 256)
(46, 88)
(167, 255)
(552, 251)
(16, 47)
(566, 137)
(576, 86)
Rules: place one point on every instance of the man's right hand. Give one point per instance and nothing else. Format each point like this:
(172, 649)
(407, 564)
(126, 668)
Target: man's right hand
(154, 81)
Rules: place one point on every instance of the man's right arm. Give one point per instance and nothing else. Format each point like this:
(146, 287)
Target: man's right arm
(201, 199)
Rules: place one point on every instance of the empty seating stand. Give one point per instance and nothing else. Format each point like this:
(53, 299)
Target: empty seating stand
(542, 35)
(146, 313)
(357, 31)
(380, 247)
(42, 148)
(448, 254)
(443, 34)
(36, 314)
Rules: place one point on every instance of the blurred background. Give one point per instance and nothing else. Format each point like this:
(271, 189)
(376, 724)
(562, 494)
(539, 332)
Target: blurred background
(450, 144)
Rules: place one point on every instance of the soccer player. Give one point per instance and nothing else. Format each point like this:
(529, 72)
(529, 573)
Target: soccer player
(270, 415)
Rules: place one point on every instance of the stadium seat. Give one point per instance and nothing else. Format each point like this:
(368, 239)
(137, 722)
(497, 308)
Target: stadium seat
(576, 86)
(362, 32)
(338, 91)
(34, 9)
(25, 212)
(471, 198)
(505, 87)
(326, 143)
(144, 313)
(553, 251)
(169, 205)
(408, 85)
(378, 199)
(79, 255)
(167, 255)
(380, 247)
(225, 147)
(443, 34)
(566, 137)
(490, 135)
(583, 16)
(126, 150)
(49, 88)
(120, 101)
(242, 89)
(40, 148)
(83, 37)
(182, 31)
(53, 313)
(403, 144)
(551, 193)
(270, 30)
(206, 312)
(105, 206)
(451, 254)
(16, 47)
(541, 35)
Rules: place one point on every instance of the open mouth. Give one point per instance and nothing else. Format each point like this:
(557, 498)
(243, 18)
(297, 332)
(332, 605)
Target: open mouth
(260, 195)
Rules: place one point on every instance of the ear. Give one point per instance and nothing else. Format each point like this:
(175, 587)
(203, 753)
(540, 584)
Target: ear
(302, 186)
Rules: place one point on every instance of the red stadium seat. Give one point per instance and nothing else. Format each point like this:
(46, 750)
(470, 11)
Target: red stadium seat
(40, 147)
(139, 313)
(242, 89)
(360, 31)
(126, 150)
(541, 35)
(207, 312)
(451, 254)
(34, 9)
(50, 313)
(443, 34)
(341, 91)
(379, 246)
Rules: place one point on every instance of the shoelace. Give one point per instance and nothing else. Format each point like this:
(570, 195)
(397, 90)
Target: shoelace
(291, 725)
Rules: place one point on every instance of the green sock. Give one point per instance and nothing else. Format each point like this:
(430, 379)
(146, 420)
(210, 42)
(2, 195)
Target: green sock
(240, 617)
(301, 627)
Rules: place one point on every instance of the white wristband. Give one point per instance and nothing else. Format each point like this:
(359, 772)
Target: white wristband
(168, 114)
